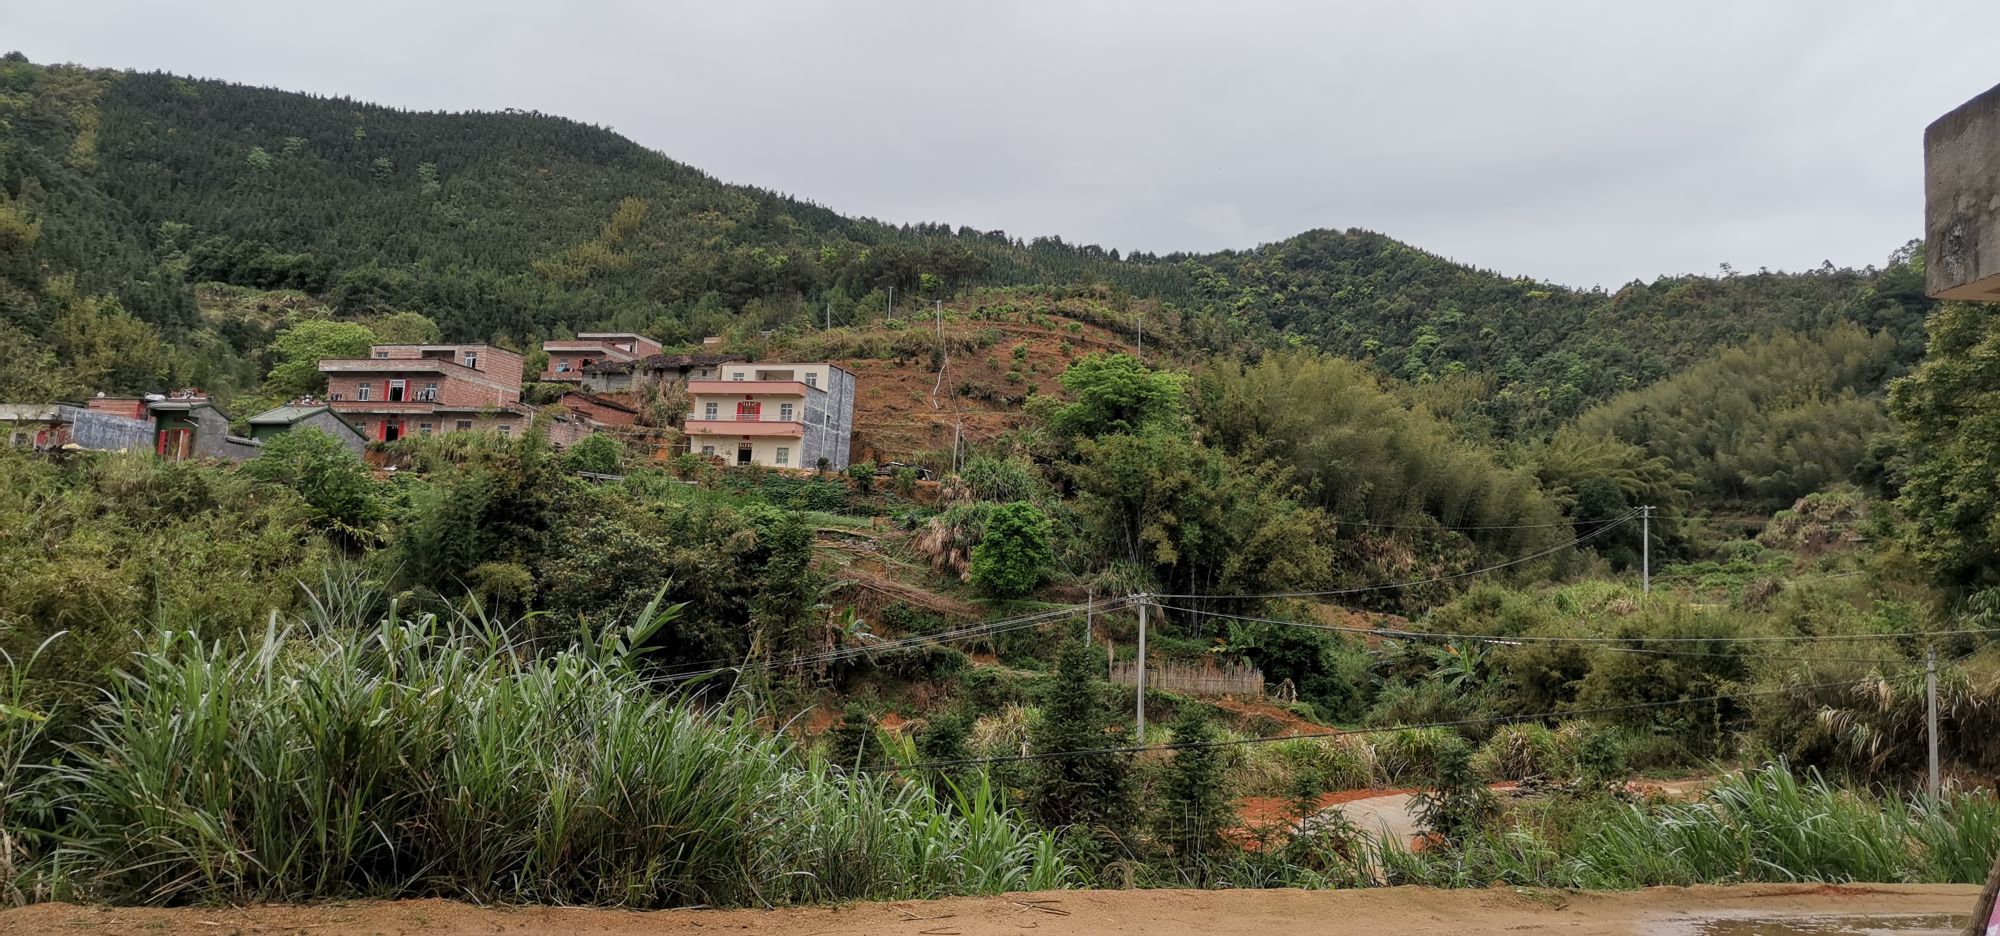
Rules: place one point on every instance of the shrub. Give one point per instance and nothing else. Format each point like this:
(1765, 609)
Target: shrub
(596, 452)
(333, 480)
(1411, 755)
(1014, 553)
(1524, 752)
(853, 744)
(921, 663)
(1458, 802)
(863, 476)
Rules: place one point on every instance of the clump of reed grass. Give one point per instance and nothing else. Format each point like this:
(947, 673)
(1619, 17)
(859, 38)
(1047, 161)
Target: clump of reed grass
(426, 757)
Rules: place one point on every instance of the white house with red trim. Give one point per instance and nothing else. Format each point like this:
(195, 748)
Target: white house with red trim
(774, 414)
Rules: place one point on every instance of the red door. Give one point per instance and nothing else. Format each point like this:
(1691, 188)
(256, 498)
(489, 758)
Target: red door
(174, 443)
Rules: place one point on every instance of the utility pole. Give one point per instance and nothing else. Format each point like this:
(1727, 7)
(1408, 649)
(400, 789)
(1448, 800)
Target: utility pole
(829, 315)
(1646, 550)
(892, 302)
(1930, 716)
(1141, 680)
(1089, 607)
(1142, 336)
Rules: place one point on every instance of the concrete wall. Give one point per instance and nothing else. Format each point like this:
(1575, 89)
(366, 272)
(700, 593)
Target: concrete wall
(1962, 201)
(107, 431)
(325, 421)
(213, 437)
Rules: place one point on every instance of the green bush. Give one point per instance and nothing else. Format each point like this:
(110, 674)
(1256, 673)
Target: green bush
(863, 476)
(333, 480)
(1014, 553)
(597, 453)
(1524, 752)
(1411, 755)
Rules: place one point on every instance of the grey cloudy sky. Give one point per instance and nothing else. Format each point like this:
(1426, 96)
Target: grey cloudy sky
(1582, 142)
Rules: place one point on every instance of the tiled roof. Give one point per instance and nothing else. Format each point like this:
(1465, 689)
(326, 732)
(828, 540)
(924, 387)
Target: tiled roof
(285, 415)
(660, 361)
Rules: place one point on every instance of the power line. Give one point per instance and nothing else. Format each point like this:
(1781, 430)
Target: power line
(983, 629)
(1496, 640)
(1495, 526)
(1581, 638)
(1344, 732)
(1429, 581)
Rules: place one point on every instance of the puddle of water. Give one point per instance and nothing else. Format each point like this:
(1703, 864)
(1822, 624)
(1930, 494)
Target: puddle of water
(1813, 924)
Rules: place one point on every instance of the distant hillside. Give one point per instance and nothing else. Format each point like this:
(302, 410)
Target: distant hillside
(520, 226)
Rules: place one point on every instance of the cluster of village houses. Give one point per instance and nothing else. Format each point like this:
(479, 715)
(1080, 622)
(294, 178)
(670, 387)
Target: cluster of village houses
(741, 412)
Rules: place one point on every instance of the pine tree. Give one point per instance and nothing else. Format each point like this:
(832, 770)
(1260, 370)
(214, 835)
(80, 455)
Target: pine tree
(853, 745)
(1192, 810)
(1087, 789)
(1459, 802)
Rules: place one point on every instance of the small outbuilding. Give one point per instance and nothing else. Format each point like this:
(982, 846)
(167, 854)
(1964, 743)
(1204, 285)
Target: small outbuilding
(316, 416)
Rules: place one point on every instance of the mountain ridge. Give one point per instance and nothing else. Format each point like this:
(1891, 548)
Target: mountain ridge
(516, 226)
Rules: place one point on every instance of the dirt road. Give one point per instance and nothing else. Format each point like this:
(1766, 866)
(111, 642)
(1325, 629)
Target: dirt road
(1660, 911)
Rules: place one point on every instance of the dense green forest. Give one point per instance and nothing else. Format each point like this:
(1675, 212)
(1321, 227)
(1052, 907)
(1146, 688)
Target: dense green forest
(121, 191)
(1406, 491)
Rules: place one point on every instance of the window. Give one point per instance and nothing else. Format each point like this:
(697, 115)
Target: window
(812, 380)
(424, 429)
(785, 411)
(736, 376)
(708, 450)
(472, 359)
(381, 354)
(464, 424)
(396, 389)
(361, 392)
(506, 429)
(562, 366)
(708, 411)
(784, 456)
(337, 397)
(429, 393)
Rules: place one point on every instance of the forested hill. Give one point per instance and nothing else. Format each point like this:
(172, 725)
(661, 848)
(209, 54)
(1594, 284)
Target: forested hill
(519, 226)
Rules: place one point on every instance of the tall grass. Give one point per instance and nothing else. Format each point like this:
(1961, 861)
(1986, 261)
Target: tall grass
(1765, 825)
(419, 758)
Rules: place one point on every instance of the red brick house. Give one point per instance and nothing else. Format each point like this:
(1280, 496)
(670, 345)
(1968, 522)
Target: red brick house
(581, 414)
(421, 390)
(567, 359)
(602, 411)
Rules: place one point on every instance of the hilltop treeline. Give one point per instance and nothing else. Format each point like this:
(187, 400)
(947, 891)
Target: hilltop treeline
(123, 191)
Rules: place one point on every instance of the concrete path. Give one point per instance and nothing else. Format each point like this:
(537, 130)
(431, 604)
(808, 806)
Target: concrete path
(1389, 813)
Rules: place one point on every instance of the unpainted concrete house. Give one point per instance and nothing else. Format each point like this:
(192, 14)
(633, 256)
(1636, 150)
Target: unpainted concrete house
(311, 416)
(570, 360)
(621, 376)
(1962, 201)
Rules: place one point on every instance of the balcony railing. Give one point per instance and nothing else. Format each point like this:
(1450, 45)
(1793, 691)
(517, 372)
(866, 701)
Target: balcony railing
(729, 425)
(758, 387)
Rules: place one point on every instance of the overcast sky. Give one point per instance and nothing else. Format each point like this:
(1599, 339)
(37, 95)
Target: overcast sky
(1582, 142)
